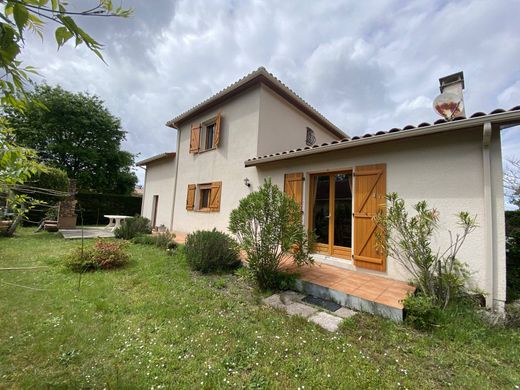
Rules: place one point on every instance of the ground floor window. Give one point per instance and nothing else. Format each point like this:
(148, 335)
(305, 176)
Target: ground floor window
(204, 197)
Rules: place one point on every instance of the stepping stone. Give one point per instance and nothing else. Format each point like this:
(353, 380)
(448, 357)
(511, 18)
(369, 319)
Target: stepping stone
(326, 321)
(274, 301)
(291, 296)
(300, 309)
(344, 313)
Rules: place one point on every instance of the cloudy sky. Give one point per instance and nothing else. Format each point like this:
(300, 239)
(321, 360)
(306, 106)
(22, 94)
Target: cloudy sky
(366, 65)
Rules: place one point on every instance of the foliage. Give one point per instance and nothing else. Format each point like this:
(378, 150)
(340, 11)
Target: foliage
(422, 312)
(513, 255)
(94, 206)
(160, 314)
(513, 314)
(17, 165)
(438, 274)
(103, 255)
(132, 227)
(161, 240)
(512, 221)
(268, 226)
(75, 132)
(513, 265)
(512, 180)
(48, 187)
(17, 17)
(210, 251)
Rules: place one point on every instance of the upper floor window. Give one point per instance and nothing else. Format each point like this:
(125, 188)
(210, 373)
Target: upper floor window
(205, 135)
(208, 137)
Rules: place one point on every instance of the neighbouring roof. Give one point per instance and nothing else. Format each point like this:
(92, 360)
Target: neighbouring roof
(261, 75)
(498, 117)
(162, 156)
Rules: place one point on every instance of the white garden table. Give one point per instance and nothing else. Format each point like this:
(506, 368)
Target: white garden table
(115, 221)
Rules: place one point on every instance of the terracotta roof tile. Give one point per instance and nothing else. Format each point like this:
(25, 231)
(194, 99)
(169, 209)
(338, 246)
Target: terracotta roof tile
(407, 128)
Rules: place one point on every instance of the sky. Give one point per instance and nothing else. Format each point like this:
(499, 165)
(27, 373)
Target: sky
(365, 65)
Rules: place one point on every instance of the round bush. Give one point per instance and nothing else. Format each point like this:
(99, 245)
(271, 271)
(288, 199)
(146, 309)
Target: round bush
(211, 251)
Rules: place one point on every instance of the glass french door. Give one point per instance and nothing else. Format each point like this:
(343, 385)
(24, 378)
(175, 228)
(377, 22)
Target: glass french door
(331, 213)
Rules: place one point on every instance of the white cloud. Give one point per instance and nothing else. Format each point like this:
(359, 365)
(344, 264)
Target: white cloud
(367, 66)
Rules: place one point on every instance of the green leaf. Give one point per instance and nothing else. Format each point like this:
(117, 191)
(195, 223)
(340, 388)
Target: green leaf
(21, 16)
(62, 35)
(54, 5)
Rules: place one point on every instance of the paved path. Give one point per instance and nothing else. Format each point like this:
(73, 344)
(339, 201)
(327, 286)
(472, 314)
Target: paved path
(88, 232)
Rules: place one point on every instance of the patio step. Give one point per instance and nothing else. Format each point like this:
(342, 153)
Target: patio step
(353, 289)
(350, 300)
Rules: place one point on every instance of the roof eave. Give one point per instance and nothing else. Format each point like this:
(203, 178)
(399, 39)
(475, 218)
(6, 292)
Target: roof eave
(158, 157)
(261, 75)
(509, 118)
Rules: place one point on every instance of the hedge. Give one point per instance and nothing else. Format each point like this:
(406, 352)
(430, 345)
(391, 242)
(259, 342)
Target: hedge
(94, 206)
(512, 221)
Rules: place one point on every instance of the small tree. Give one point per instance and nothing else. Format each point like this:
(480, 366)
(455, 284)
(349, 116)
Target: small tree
(268, 226)
(17, 165)
(438, 274)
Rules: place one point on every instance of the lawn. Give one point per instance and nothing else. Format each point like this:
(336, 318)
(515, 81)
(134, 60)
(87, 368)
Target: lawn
(156, 324)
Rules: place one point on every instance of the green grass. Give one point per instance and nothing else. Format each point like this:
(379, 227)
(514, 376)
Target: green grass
(155, 323)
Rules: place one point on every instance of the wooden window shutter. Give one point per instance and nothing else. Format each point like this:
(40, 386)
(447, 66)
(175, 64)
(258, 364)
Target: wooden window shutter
(190, 198)
(195, 138)
(369, 197)
(293, 187)
(214, 197)
(216, 133)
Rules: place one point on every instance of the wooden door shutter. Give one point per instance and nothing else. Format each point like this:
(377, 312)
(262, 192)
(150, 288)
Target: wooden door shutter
(369, 197)
(195, 138)
(216, 133)
(214, 197)
(293, 187)
(190, 198)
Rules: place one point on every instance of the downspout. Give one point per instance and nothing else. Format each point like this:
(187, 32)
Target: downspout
(488, 215)
(177, 157)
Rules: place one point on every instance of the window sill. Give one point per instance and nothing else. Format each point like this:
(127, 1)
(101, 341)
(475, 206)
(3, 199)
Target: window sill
(206, 150)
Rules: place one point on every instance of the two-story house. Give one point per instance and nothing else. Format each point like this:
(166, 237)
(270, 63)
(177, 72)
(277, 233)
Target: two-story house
(258, 128)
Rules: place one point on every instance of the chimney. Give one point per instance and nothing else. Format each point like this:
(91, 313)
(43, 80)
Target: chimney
(454, 84)
(450, 103)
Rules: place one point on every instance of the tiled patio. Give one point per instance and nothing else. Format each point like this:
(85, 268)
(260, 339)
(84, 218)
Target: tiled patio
(180, 238)
(374, 288)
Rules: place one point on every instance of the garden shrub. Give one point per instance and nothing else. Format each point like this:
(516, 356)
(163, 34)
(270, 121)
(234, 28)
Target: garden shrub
(513, 314)
(132, 227)
(161, 240)
(103, 255)
(438, 274)
(421, 311)
(269, 228)
(210, 251)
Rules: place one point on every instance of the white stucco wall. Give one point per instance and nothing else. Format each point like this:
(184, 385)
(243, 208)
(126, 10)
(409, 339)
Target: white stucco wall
(284, 127)
(238, 142)
(159, 180)
(444, 169)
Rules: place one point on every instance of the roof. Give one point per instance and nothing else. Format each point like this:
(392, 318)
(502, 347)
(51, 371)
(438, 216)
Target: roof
(162, 156)
(261, 75)
(498, 117)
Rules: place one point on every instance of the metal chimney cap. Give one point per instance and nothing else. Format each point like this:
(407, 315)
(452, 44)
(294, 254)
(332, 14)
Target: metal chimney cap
(454, 78)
